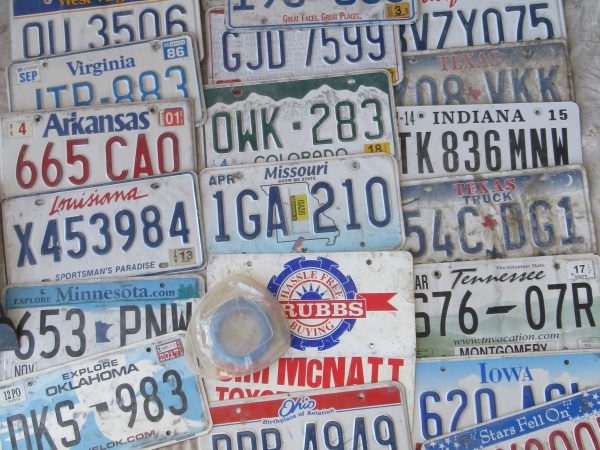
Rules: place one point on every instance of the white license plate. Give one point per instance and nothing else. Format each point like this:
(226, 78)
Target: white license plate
(122, 229)
(339, 204)
(462, 139)
(268, 55)
(137, 397)
(504, 215)
(51, 150)
(60, 322)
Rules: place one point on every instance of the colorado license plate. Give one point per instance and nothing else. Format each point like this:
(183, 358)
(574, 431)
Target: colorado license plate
(51, 150)
(140, 396)
(462, 139)
(338, 204)
(131, 228)
(61, 322)
(509, 214)
(506, 73)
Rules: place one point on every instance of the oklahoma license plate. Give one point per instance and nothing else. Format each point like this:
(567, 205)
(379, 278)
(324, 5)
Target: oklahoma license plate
(51, 150)
(506, 73)
(462, 139)
(140, 396)
(339, 204)
(122, 229)
(508, 214)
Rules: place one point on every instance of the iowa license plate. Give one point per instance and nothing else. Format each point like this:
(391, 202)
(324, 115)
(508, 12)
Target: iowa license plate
(508, 214)
(140, 396)
(131, 228)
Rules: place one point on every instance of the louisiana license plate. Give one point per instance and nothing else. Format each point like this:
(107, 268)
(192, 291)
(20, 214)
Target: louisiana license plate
(140, 396)
(506, 73)
(51, 150)
(462, 139)
(131, 228)
(509, 214)
(339, 204)
(60, 322)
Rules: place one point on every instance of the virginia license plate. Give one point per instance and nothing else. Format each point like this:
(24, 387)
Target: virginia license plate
(338, 204)
(509, 214)
(508, 306)
(506, 73)
(462, 139)
(60, 322)
(131, 228)
(140, 396)
(51, 150)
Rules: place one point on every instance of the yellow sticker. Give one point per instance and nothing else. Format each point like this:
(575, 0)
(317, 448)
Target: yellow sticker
(397, 11)
(299, 205)
(380, 147)
(394, 73)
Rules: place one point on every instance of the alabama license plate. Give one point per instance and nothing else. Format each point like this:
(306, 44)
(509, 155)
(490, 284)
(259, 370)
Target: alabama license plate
(508, 214)
(122, 229)
(51, 150)
(339, 204)
(506, 73)
(462, 139)
(137, 397)
(60, 322)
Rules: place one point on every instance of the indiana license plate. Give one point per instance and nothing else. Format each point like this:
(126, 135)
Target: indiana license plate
(509, 214)
(51, 150)
(339, 204)
(131, 228)
(140, 396)
(462, 139)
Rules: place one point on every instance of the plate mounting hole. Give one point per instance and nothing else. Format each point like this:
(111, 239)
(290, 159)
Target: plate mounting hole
(163, 265)
(39, 201)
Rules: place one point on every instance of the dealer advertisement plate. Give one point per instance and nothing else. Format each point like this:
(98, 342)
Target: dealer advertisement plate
(141, 227)
(503, 215)
(462, 139)
(505, 73)
(139, 396)
(51, 150)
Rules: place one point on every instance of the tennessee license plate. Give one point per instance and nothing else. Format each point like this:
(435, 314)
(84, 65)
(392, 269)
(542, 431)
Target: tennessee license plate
(140, 396)
(60, 322)
(462, 139)
(506, 73)
(339, 204)
(51, 150)
(131, 228)
(509, 214)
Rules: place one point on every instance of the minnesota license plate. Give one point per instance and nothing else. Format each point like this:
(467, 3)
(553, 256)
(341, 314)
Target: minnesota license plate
(509, 214)
(140, 396)
(51, 150)
(506, 73)
(60, 322)
(339, 204)
(131, 228)
(462, 139)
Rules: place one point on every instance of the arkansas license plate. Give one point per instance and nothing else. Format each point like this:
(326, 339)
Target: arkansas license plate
(462, 139)
(51, 150)
(131, 228)
(140, 396)
(505, 215)
(60, 322)
(339, 204)
(506, 73)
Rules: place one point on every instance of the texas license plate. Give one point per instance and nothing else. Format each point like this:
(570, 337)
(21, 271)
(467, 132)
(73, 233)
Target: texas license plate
(131, 228)
(140, 396)
(506, 73)
(60, 322)
(509, 214)
(339, 204)
(462, 139)
(51, 150)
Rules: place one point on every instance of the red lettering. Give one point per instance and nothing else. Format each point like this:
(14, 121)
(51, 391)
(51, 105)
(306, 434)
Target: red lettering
(334, 371)
(559, 434)
(161, 152)
(292, 371)
(314, 369)
(442, 61)
(221, 391)
(109, 158)
(511, 184)
(143, 163)
(457, 62)
(590, 432)
(375, 364)
(459, 188)
(531, 444)
(395, 364)
(355, 372)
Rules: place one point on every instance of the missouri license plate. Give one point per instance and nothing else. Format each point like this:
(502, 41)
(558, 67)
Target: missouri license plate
(462, 139)
(51, 150)
(131, 228)
(338, 204)
(509, 214)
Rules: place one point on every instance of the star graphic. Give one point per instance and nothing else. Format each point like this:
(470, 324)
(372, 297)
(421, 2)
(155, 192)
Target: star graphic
(489, 222)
